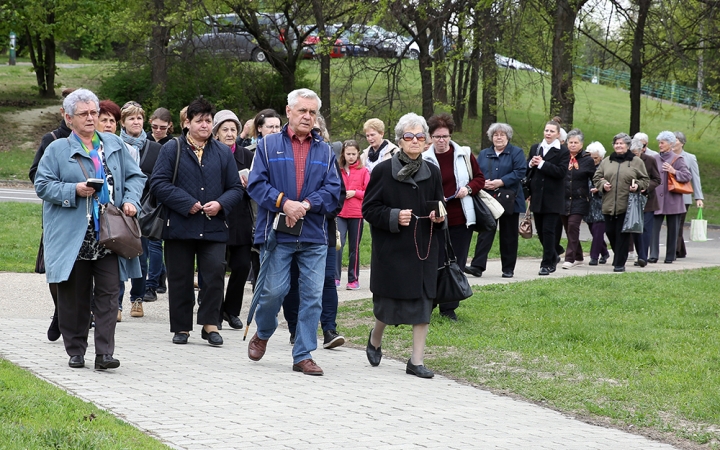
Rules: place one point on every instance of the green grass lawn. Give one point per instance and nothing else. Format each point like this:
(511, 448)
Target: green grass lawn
(35, 414)
(641, 349)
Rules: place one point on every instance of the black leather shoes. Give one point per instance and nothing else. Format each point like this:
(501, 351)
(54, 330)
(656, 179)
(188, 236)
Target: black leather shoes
(652, 260)
(552, 269)
(544, 271)
(419, 371)
(508, 274)
(619, 269)
(77, 361)
(103, 362)
(233, 321)
(593, 262)
(667, 261)
(53, 333)
(641, 262)
(603, 259)
(474, 271)
(180, 338)
(374, 354)
(212, 337)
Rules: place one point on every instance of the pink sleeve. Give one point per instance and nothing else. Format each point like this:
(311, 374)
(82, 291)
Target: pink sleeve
(360, 193)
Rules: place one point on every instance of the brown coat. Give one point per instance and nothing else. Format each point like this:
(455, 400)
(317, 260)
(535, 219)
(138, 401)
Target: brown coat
(655, 180)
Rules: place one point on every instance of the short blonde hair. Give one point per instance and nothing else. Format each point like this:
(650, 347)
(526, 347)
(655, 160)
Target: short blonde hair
(374, 124)
(131, 109)
(183, 117)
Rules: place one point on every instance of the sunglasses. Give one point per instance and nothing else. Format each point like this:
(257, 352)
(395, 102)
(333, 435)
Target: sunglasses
(158, 127)
(408, 137)
(129, 104)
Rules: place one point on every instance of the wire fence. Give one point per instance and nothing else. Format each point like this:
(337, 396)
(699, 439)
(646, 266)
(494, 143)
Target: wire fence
(664, 90)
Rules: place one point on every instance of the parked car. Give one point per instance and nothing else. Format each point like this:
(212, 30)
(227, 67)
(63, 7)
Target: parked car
(348, 39)
(375, 39)
(309, 47)
(405, 46)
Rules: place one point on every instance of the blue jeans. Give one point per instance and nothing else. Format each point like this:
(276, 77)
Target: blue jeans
(137, 291)
(153, 250)
(329, 296)
(274, 284)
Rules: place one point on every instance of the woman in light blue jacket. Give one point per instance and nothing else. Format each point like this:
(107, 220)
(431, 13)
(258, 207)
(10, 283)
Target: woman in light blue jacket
(73, 257)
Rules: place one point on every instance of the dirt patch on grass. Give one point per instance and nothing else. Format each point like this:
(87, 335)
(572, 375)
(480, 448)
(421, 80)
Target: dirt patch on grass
(24, 128)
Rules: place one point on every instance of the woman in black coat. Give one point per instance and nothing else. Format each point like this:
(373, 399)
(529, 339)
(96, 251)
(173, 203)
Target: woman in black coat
(581, 169)
(403, 276)
(240, 223)
(547, 169)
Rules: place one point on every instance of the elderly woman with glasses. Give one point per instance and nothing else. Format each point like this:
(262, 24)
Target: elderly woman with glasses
(670, 204)
(82, 267)
(503, 165)
(405, 231)
(461, 176)
(617, 176)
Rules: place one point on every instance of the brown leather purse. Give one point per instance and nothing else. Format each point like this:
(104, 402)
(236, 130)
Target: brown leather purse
(526, 229)
(678, 187)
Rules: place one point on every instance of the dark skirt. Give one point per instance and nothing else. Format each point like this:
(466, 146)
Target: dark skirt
(393, 311)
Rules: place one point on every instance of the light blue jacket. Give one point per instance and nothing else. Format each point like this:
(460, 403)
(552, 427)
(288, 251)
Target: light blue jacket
(65, 213)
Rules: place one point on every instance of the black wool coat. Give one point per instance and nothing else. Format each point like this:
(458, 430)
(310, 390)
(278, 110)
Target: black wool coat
(397, 271)
(241, 220)
(577, 185)
(547, 184)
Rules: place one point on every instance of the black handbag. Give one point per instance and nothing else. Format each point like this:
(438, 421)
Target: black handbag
(452, 284)
(506, 197)
(152, 214)
(40, 260)
(484, 219)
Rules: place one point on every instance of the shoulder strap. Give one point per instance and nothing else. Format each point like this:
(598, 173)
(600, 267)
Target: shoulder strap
(53, 135)
(177, 159)
(82, 166)
(144, 152)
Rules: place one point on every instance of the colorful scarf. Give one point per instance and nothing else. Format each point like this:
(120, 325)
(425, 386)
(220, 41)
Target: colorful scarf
(103, 197)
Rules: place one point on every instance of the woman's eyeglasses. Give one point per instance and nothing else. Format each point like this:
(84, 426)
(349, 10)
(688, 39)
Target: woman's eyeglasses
(272, 127)
(408, 137)
(129, 104)
(85, 114)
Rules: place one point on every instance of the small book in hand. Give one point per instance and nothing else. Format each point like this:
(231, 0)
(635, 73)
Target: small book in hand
(281, 225)
(438, 206)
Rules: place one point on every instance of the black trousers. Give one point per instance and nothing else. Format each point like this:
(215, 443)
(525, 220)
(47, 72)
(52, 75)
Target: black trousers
(681, 251)
(74, 297)
(460, 237)
(619, 241)
(508, 226)
(180, 257)
(239, 258)
(546, 224)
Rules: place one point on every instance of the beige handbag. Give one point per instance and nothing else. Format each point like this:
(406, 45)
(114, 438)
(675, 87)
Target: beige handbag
(526, 228)
(495, 207)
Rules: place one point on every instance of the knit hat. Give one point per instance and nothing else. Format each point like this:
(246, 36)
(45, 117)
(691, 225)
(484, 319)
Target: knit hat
(224, 116)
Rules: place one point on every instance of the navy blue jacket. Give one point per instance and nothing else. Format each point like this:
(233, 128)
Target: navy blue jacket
(273, 172)
(509, 166)
(216, 179)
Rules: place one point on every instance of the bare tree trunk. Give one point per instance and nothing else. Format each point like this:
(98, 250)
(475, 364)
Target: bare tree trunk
(636, 65)
(426, 84)
(439, 65)
(489, 74)
(562, 96)
(49, 66)
(324, 62)
(701, 66)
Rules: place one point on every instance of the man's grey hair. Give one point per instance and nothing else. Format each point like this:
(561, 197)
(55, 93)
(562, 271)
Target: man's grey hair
(642, 136)
(623, 137)
(410, 120)
(79, 96)
(667, 136)
(680, 136)
(577, 134)
(295, 95)
(500, 128)
(637, 144)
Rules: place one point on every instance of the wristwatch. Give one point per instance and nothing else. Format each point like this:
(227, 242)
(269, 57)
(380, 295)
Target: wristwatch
(305, 205)
(469, 189)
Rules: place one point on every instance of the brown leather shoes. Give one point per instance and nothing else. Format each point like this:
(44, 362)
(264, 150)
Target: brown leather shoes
(256, 348)
(308, 367)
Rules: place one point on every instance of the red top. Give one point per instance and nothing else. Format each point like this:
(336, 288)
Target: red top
(456, 216)
(301, 148)
(357, 180)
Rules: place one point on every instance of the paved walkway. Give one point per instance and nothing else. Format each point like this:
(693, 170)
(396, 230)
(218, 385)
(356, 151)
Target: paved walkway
(198, 397)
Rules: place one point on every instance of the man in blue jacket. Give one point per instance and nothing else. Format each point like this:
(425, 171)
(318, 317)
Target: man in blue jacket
(295, 181)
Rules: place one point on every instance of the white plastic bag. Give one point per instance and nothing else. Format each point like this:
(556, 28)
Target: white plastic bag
(698, 228)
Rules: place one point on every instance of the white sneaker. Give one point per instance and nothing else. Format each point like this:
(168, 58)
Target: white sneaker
(632, 256)
(567, 265)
